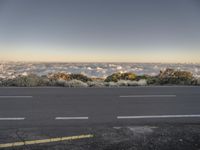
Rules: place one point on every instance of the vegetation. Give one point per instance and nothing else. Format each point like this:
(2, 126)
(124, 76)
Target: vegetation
(68, 77)
(166, 77)
(172, 77)
(26, 81)
(121, 76)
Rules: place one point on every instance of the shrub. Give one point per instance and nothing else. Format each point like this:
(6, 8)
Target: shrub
(75, 83)
(80, 77)
(171, 76)
(141, 82)
(120, 76)
(95, 83)
(142, 77)
(198, 81)
(59, 82)
(111, 84)
(68, 77)
(168, 76)
(153, 81)
(25, 81)
(123, 82)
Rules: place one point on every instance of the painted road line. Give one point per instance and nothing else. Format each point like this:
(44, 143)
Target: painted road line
(11, 119)
(158, 116)
(71, 118)
(39, 87)
(15, 96)
(6, 145)
(146, 96)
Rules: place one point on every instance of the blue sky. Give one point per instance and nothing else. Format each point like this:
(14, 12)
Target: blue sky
(100, 30)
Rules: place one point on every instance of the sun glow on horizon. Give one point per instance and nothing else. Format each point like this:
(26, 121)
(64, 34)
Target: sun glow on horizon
(82, 55)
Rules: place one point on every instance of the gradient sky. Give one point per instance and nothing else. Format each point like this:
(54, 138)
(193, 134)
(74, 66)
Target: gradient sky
(100, 30)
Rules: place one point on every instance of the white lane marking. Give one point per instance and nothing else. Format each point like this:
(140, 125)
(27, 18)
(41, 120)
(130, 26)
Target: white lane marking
(71, 118)
(159, 116)
(15, 96)
(11, 119)
(127, 96)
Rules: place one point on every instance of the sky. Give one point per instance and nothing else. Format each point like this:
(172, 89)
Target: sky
(166, 31)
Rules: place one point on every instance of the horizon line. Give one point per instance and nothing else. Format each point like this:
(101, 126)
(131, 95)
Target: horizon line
(20, 61)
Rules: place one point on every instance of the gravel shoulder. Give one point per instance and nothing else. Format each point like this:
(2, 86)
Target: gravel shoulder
(154, 137)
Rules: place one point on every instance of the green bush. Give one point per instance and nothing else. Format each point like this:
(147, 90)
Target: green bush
(171, 76)
(80, 77)
(68, 77)
(166, 77)
(26, 81)
(121, 76)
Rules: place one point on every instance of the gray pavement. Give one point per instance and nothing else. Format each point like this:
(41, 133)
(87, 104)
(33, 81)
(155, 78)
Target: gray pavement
(71, 111)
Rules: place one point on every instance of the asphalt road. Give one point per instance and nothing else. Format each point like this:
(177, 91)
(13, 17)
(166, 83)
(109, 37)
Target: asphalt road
(74, 109)
(55, 106)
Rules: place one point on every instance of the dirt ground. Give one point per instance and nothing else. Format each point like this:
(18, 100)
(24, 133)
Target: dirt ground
(158, 137)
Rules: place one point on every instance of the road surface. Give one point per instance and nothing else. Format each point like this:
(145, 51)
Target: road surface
(61, 111)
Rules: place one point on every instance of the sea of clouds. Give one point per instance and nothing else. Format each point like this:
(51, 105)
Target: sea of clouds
(101, 70)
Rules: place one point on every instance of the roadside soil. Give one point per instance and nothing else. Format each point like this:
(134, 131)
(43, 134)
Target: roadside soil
(158, 137)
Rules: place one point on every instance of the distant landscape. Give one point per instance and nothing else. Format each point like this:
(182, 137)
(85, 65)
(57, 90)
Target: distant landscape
(23, 74)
